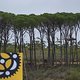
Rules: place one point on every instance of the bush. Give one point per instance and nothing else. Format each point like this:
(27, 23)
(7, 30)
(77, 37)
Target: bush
(73, 75)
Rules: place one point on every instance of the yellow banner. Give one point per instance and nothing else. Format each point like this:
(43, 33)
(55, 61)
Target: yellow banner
(11, 66)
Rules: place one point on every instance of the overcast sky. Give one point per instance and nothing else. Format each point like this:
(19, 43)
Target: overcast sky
(39, 6)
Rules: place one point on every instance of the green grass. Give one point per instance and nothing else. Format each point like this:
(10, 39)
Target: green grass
(55, 73)
(52, 73)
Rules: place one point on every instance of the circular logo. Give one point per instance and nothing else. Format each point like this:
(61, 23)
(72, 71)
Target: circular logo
(9, 64)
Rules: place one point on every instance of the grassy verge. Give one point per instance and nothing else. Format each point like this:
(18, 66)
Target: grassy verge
(55, 73)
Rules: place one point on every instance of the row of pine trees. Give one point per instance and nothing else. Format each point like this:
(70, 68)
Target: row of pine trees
(47, 24)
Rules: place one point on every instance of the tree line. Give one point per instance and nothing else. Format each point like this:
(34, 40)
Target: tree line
(47, 24)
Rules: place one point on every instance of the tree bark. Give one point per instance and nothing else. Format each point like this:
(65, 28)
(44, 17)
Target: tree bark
(48, 45)
(53, 47)
(34, 49)
(60, 44)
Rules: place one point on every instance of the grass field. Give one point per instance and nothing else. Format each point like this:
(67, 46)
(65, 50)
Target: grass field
(70, 72)
(55, 73)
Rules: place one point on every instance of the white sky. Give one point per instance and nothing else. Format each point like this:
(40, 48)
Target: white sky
(39, 6)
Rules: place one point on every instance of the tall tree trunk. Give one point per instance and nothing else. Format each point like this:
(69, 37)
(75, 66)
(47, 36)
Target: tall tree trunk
(42, 47)
(25, 63)
(31, 53)
(34, 48)
(15, 45)
(21, 40)
(48, 45)
(41, 31)
(66, 52)
(5, 40)
(76, 47)
(60, 44)
(1, 42)
(71, 47)
(53, 47)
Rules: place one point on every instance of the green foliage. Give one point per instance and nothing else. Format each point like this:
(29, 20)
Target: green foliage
(55, 73)
(73, 74)
(22, 21)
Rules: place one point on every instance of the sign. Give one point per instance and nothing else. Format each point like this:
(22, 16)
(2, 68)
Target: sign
(11, 66)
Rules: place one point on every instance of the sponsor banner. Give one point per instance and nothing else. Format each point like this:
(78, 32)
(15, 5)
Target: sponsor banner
(11, 66)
